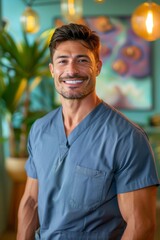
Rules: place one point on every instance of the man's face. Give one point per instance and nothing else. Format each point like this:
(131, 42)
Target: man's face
(74, 70)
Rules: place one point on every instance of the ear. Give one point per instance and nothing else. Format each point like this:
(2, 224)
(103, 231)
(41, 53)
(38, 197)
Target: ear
(99, 66)
(51, 69)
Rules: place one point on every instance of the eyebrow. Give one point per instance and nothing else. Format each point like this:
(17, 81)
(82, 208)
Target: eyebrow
(77, 56)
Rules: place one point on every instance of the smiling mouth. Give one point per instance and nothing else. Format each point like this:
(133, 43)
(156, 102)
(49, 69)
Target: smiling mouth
(73, 81)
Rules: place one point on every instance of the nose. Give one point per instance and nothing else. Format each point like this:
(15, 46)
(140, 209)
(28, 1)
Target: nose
(72, 69)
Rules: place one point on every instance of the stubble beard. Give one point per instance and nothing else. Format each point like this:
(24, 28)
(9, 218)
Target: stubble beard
(72, 96)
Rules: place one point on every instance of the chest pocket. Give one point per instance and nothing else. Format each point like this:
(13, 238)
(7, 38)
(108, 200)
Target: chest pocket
(88, 185)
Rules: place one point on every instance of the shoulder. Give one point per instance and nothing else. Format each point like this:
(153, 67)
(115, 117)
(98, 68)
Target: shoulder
(120, 124)
(44, 123)
(123, 132)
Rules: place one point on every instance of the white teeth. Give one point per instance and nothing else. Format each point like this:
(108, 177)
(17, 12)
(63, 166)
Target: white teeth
(74, 82)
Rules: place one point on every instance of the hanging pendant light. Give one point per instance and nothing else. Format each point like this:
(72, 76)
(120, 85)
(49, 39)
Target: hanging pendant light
(145, 21)
(99, 1)
(30, 20)
(72, 10)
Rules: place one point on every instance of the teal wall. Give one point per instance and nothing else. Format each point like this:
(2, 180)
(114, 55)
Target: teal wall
(12, 10)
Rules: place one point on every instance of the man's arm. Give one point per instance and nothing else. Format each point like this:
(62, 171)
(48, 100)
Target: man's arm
(138, 209)
(28, 211)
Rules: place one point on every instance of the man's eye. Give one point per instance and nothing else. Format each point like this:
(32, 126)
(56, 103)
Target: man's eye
(83, 60)
(62, 61)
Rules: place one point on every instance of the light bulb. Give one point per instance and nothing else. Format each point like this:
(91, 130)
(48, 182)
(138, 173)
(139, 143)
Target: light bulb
(30, 20)
(145, 21)
(149, 22)
(100, 1)
(72, 10)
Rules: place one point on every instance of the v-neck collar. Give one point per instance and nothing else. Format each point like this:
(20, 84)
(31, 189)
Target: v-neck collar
(77, 131)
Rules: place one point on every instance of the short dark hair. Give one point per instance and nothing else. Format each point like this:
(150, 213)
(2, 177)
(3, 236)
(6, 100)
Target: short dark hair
(73, 32)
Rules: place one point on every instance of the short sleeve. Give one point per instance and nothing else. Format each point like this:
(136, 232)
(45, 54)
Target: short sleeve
(135, 166)
(30, 166)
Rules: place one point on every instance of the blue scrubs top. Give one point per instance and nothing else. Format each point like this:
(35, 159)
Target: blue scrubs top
(80, 175)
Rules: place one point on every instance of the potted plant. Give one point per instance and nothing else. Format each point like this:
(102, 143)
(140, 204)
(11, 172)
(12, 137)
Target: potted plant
(23, 66)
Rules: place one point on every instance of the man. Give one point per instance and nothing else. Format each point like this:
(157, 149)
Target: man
(91, 172)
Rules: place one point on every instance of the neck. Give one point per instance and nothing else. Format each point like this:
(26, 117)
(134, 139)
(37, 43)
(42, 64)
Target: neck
(74, 111)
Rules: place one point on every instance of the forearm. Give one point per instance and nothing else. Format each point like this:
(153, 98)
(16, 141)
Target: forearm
(27, 220)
